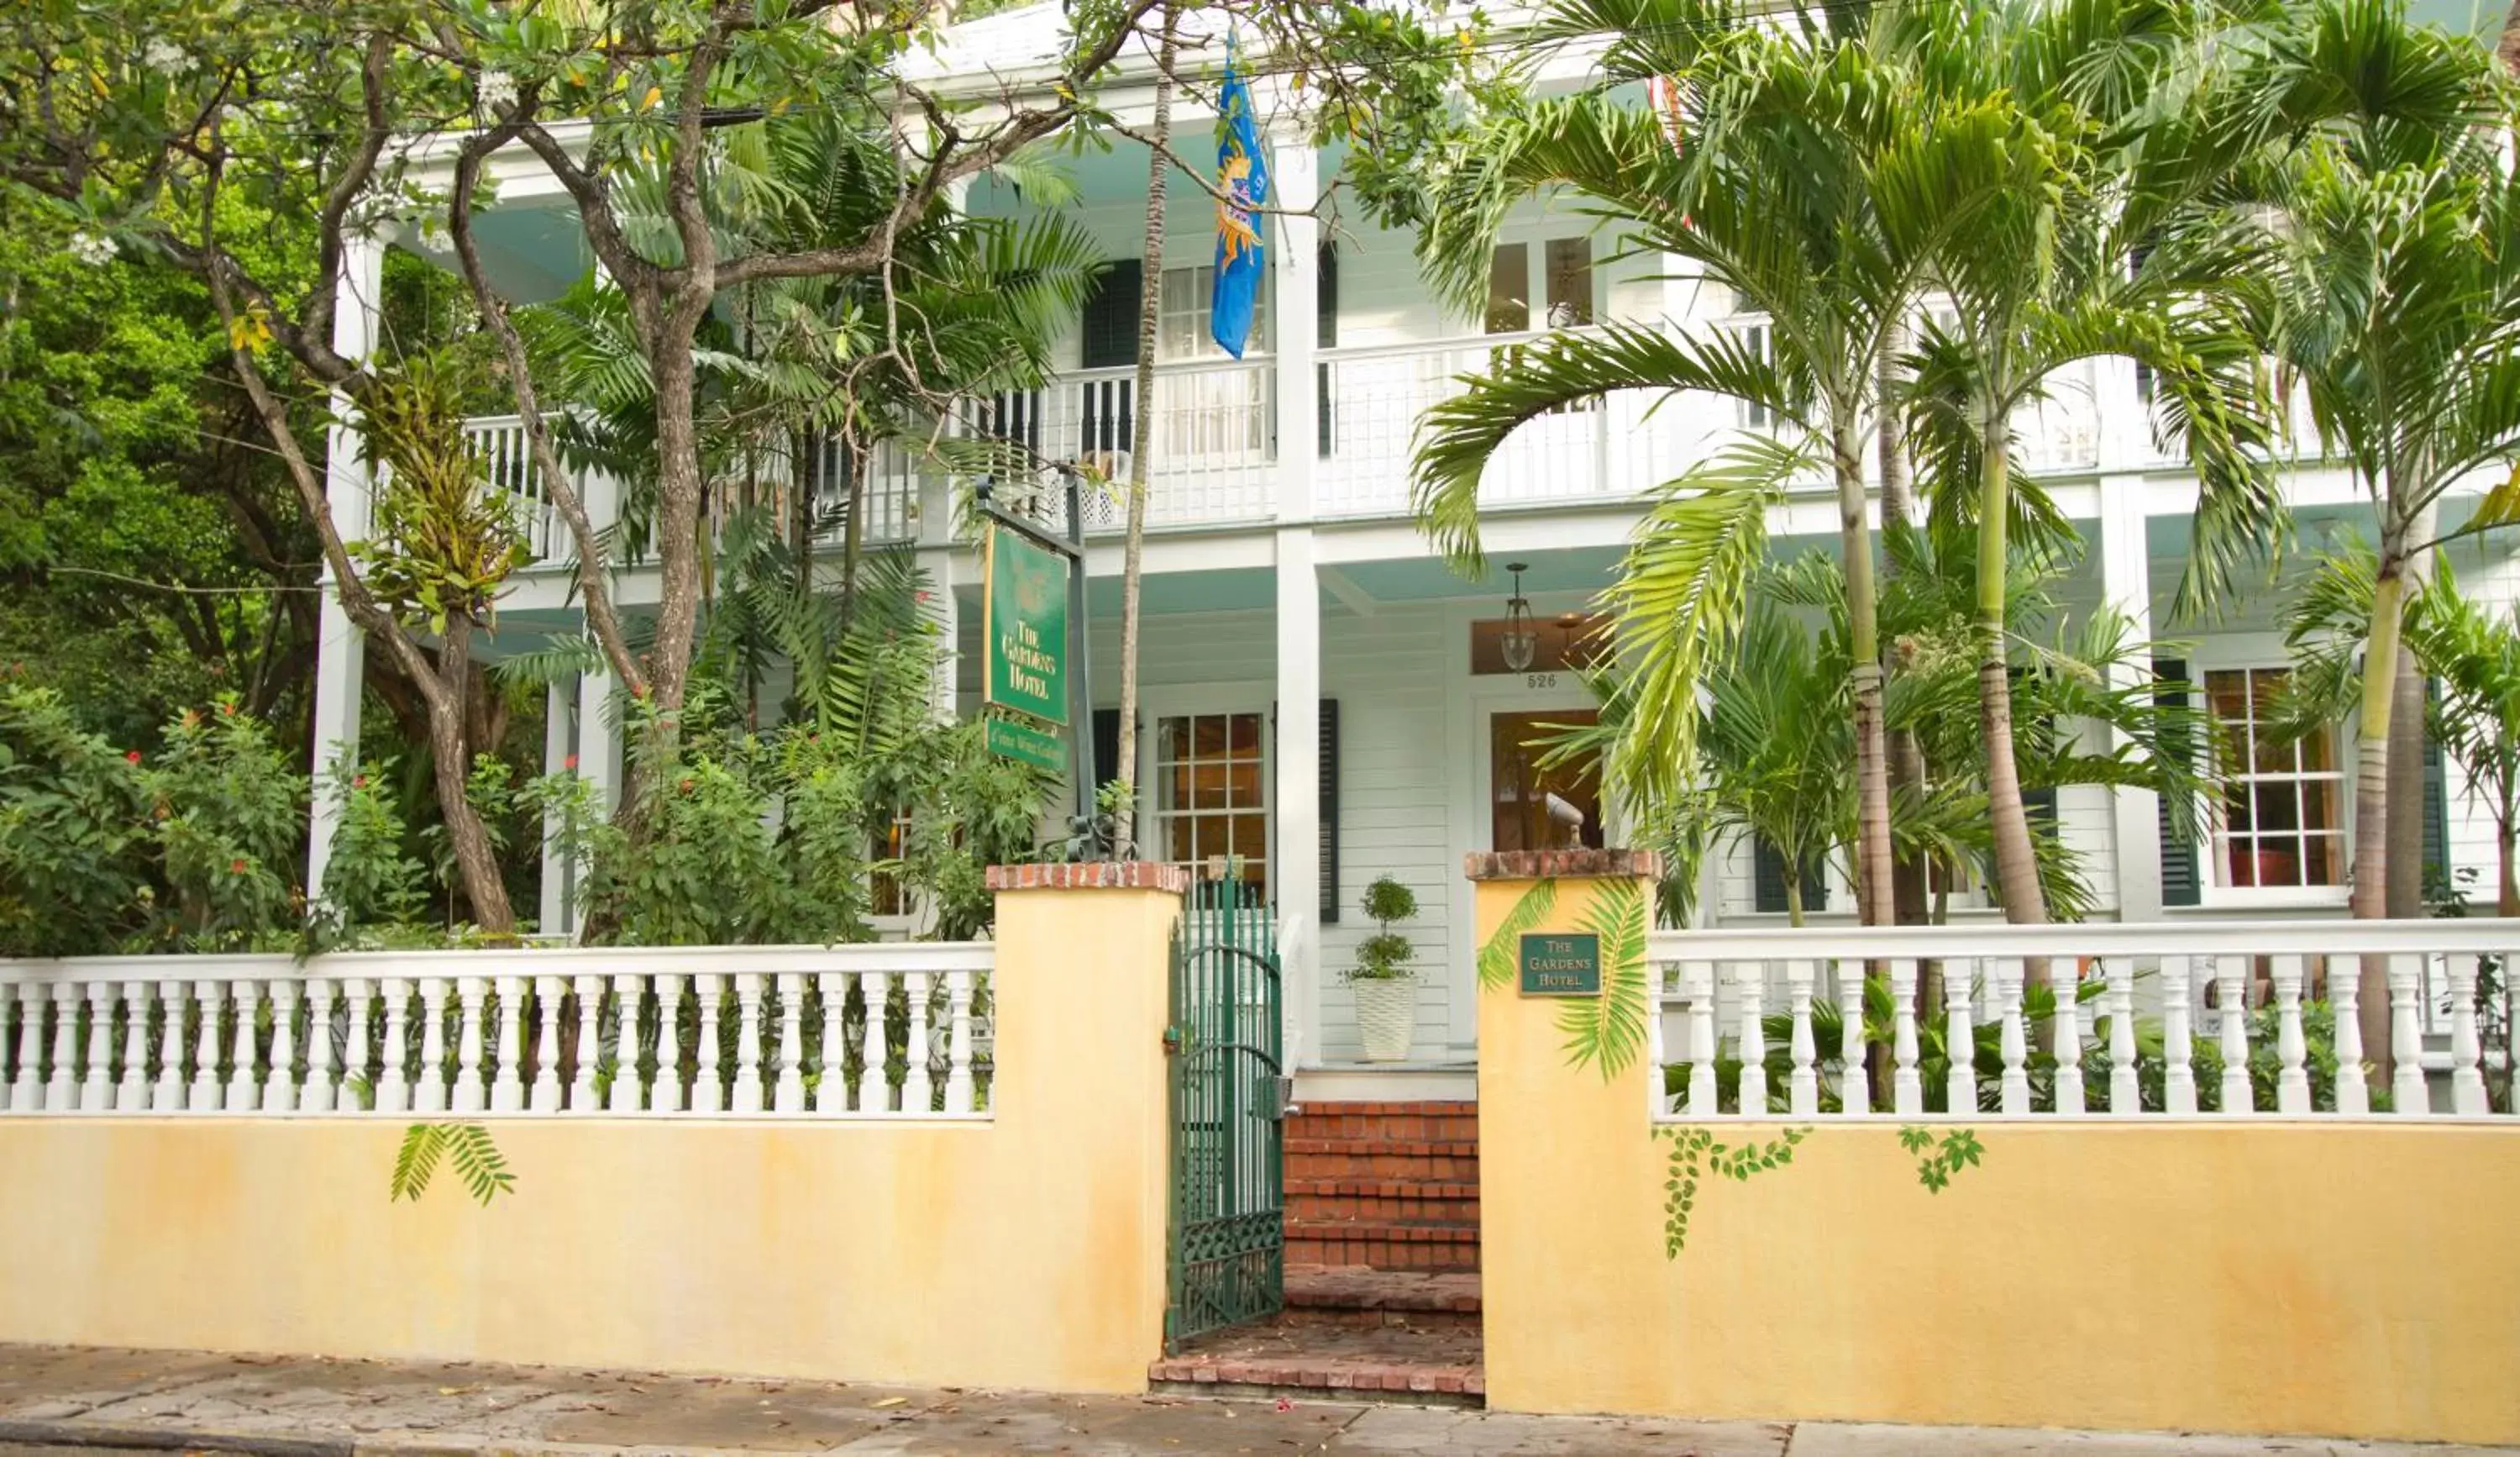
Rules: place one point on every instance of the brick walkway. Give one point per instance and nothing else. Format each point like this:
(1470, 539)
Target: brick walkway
(1427, 1364)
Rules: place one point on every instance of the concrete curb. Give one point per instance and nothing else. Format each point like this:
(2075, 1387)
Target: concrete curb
(75, 1434)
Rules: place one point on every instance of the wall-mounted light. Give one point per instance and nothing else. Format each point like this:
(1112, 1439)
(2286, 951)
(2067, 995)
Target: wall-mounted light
(1520, 642)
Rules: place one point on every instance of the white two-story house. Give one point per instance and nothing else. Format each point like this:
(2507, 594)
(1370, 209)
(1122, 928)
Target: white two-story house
(1328, 699)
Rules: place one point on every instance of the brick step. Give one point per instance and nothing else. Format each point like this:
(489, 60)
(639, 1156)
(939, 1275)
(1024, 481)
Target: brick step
(1384, 1245)
(1359, 1296)
(1394, 1365)
(1422, 1160)
(1403, 1200)
(1404, 1123)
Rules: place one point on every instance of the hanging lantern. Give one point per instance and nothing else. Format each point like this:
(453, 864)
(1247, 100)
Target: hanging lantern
(1520, 642)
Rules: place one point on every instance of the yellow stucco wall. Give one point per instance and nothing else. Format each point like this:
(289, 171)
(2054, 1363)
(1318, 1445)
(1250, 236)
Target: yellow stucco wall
(2352, 1280)
(1024, 1251)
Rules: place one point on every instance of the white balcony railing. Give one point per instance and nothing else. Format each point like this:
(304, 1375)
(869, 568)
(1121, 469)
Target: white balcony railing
(2165, 1018)
(899, 1030)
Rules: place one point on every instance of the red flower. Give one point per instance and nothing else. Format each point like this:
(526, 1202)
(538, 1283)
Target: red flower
(687, 786)
(236, 867)
(569, 763)
(133, 756)
(227, 710)
(358, 781)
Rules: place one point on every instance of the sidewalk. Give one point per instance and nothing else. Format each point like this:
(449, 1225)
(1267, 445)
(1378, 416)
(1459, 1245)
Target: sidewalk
(75, 1402)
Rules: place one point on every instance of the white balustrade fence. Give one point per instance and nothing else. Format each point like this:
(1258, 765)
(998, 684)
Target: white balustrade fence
(895, 1031)
(498, 443)
(2162, 1019)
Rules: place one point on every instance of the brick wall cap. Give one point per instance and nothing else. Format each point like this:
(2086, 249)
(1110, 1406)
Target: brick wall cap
(1096, 875)
(1542, 865)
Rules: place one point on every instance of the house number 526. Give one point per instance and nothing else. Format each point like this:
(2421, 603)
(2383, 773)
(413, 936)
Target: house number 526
(1540, 681)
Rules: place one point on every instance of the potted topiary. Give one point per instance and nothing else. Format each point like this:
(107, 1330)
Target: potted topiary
(1384, 985)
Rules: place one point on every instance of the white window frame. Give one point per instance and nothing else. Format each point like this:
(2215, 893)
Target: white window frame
(2261, 652)
(1154, 823)
(1201, 287)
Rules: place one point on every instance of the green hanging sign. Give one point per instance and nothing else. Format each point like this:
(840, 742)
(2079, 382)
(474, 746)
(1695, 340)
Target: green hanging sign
(1025, 620)
(1014, 738)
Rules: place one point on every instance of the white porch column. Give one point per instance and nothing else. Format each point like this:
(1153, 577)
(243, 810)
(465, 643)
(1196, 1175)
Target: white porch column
(936, 564)
(2126, 583)
(599, 734)
(339, 651)
(1295, 181)
(560, 744)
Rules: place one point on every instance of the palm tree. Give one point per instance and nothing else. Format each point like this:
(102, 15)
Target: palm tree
(1811, 182)
(2397, 307)
(2112, 252)
(1775, 746)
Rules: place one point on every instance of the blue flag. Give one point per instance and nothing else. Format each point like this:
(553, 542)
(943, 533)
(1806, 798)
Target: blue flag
(1241, 174)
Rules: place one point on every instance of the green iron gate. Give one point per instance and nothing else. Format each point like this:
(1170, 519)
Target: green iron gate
(1228, 1175)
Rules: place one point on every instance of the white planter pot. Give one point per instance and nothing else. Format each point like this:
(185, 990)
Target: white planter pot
(1387, 1014)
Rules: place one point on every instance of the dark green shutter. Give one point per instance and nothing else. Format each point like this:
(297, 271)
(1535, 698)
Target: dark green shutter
(1330, 811)
(2436, 805)
(1768, 881)
(1106, 747)
(1326, 321)
(1111, 316)
(2179, 879)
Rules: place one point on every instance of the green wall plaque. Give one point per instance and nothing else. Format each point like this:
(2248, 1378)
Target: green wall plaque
(1025, 627)
(1561, 964)
(1010, 739)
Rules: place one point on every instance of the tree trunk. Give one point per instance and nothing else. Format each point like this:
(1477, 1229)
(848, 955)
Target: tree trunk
(2371, 793)
(476, 860)
(1909, 878)
(1150, 289)
(2016, 860)
(677, 531)
(2406, 792)
(1864, 653)
(1794, 895)
(2506, 849)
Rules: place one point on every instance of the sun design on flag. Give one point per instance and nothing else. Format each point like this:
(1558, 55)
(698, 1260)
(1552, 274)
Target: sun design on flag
(1234, 231)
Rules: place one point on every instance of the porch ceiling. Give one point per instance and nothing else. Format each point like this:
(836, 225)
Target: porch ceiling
(533, 252)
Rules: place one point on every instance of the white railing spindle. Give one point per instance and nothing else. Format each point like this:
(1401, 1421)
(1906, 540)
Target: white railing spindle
(2011, 1040)
(2345, 999)
(1907, 1087)
(790, 1096)
(204, 1095)
(666, 1094)
(2070, 1098)
(1703, 1101)
(589, 1044)
(2177, 1050)
(1802, 1084)
(508, 1083)
(12, 1063)
(2292, 1077)
(1959, 1037)
(2405, 1043)
(958, 1042)
(61, 1091)
(2126, 1089)
(317, 1095)
(625, 1054)
(96, 1094)
(916, 1085)
(280, 1084)
(548, 991)
(360, 996)
(874, 1084)
(241, 1095)
(2466, 1051)
(708, 1083)
(393, 1080)
(2231, 999)
(428, 1093)
(831, 1081)
(1854, 1079)
(1750, 988)
(168, 1096)
(131, 1095)
(748, 1051)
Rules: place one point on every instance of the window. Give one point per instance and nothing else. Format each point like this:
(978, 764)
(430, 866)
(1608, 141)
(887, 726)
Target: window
(1510, 289)
(1570, 282)
(1211, 793)
(1756, 338)
(1182, 312)
(886, 894)
(2283, 822)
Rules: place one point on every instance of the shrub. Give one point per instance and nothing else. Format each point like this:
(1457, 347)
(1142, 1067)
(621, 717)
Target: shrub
(1384, 955)
(72, 830)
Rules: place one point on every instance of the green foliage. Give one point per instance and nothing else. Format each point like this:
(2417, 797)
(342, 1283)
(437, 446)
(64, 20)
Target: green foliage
(468, 1146)
(229, 815)
(1496, 957)
(1694, 1153)
(1937, 1160)
(1384, 955)
(71, 831)
(444, 539)
(1609, 1029)
(369, 879)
